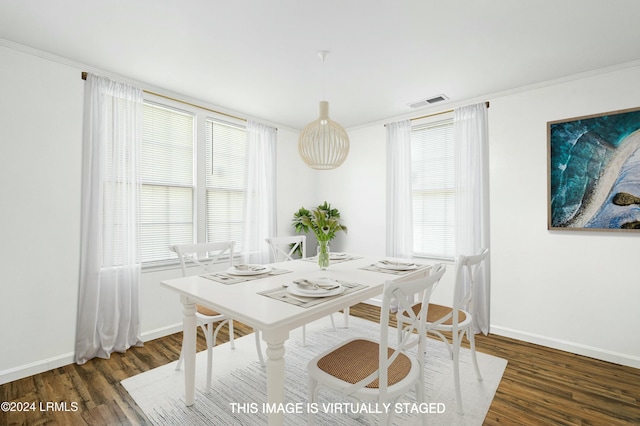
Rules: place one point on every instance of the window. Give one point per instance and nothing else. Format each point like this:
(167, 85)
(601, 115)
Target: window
(190, 193)
(433, 189)
(168, 187)
(226, 156)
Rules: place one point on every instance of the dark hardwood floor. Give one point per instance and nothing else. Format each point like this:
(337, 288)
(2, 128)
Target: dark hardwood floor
(540, 386)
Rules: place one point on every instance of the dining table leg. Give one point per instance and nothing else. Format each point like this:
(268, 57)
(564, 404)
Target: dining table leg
(189, 325)
(275, 375)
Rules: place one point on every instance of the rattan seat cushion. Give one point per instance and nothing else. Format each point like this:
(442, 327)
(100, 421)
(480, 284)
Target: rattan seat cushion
(358, 358)
(436, 312)
(206, 311)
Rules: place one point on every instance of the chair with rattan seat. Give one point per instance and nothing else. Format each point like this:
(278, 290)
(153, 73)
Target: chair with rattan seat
(198, 259)
(372, 371)
(456, 320)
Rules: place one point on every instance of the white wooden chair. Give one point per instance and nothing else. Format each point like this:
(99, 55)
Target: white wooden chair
(283, 249)
(457, 319)
(371, 370)
(203, 258)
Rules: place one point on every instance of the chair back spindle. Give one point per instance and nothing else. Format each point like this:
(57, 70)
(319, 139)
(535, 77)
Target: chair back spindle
(203, 255)
(284, 248)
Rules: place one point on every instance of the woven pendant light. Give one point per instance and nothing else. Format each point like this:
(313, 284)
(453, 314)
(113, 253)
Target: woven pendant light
(323, 144)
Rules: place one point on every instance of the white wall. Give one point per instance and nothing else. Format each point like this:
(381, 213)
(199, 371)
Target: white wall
(40, 168)
(296, 185)
(357, 190)
(41, 106)
(576, 291)
(571, 290)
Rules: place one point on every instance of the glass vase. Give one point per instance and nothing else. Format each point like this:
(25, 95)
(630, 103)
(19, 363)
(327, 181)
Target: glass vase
(323, 254)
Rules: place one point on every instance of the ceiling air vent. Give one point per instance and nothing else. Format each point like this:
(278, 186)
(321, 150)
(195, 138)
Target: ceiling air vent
(428, 101)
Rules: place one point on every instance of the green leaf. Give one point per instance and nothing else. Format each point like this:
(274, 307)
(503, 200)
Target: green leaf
(324, 221)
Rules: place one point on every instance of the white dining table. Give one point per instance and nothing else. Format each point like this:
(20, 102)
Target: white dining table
(273, 318)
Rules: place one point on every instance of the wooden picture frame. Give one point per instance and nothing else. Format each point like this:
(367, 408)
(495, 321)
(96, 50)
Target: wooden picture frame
(593, 166)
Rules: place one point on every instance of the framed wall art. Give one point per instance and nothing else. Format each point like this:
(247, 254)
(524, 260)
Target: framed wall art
(594, 172)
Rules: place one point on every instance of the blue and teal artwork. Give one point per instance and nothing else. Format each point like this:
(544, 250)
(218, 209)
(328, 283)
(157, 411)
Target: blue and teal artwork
(594, 172)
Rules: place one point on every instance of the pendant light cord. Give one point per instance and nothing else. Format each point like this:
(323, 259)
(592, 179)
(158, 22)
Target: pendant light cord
(323, 56)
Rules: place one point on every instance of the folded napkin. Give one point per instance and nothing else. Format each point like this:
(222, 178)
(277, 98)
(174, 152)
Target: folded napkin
(393, 263)
(314, 284)
(243, 267)
(338, 255)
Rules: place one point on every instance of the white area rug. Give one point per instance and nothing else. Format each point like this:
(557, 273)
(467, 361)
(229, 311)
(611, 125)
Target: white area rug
(238, 393)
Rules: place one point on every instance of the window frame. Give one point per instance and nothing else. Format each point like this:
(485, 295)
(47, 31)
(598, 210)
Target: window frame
(435, 121)
(201, 116)
(206, 188)
(192, 186)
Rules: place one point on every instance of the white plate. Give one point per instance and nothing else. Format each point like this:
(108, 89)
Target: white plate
(397, 267)
(251, 270)
(338, 256)
(298, 290)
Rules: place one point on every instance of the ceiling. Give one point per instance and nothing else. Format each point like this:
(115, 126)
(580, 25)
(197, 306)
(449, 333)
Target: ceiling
(259, 57)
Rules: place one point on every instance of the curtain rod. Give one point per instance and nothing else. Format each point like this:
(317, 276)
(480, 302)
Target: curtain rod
(84, 77)
(439, 113)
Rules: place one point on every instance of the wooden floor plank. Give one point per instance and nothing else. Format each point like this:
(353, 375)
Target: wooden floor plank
(540, 386)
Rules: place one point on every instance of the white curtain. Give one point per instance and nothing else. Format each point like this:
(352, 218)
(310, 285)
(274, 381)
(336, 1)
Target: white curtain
(472, 198)
(260, 204)
(108, 303)
(399, 230)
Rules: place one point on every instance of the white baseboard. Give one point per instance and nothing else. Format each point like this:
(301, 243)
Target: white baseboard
(22, 371)
(576, 348)
(27, 370)
(37, 367)
(161, 332)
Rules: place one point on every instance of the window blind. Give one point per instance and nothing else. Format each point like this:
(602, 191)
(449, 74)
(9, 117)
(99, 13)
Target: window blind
(167, 175)
(433, 189)
(226, 164)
